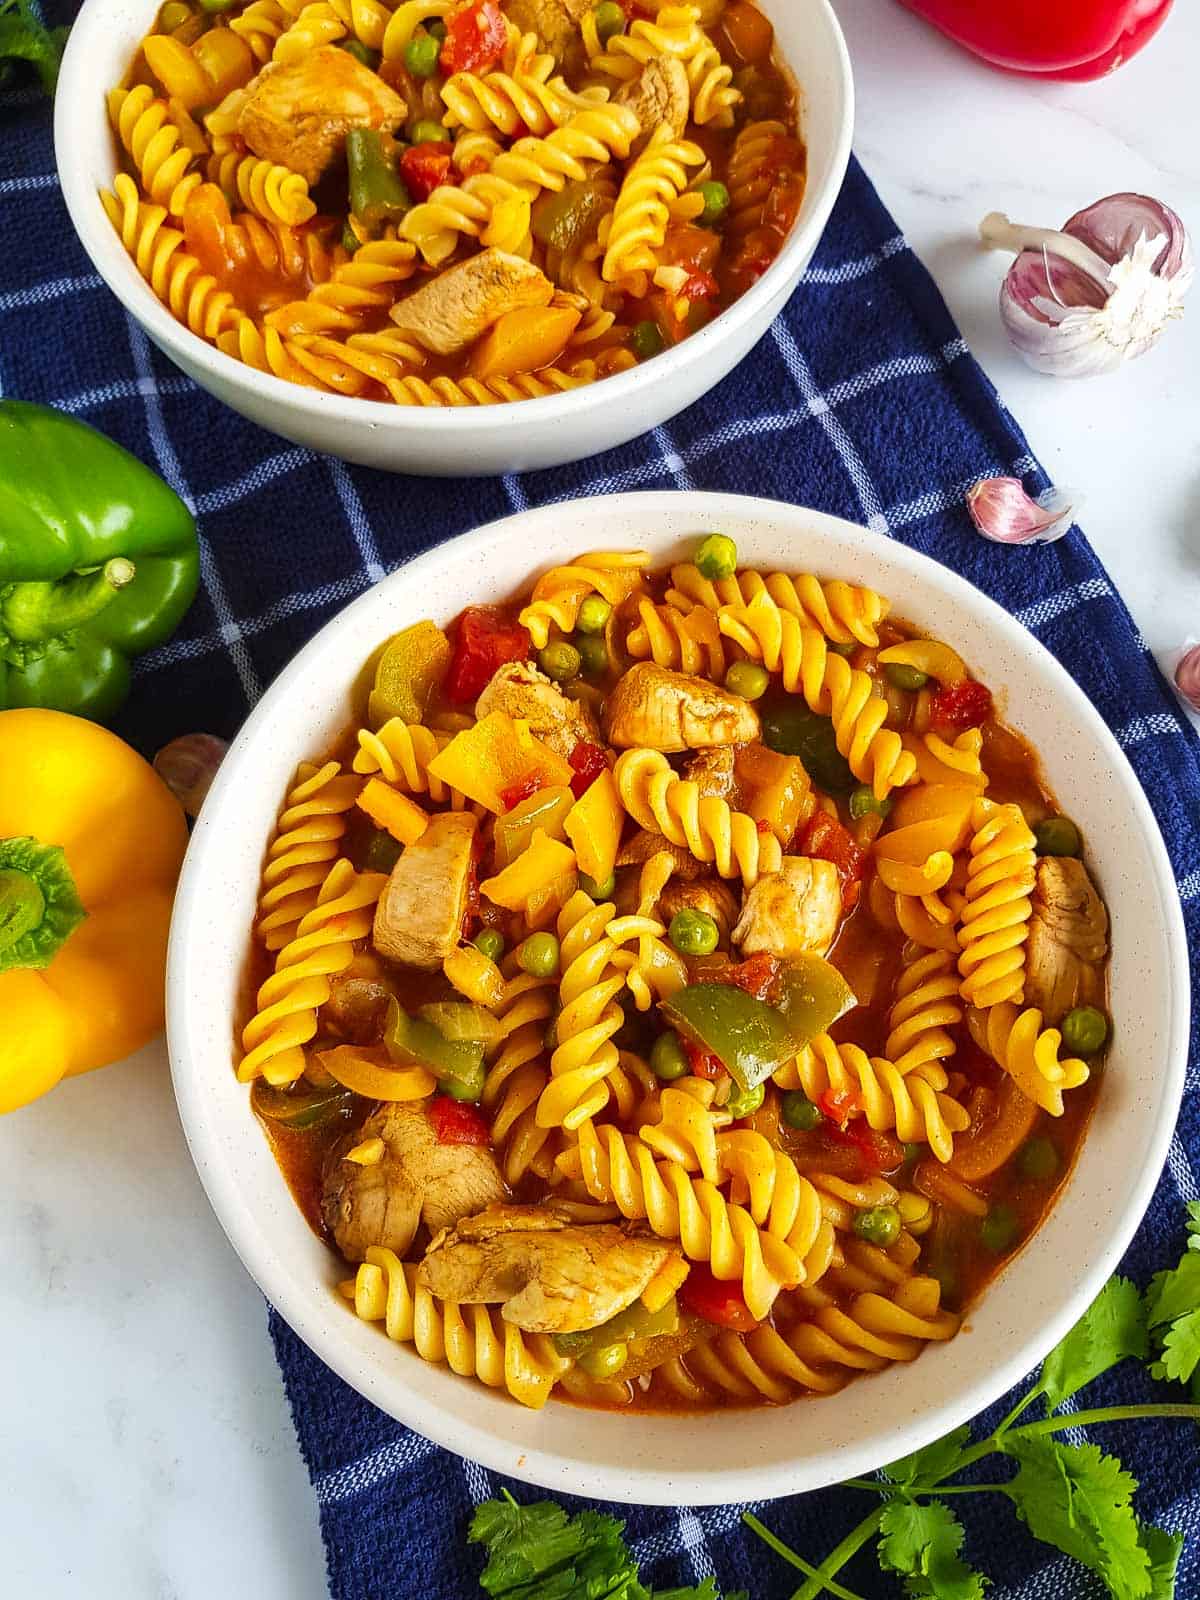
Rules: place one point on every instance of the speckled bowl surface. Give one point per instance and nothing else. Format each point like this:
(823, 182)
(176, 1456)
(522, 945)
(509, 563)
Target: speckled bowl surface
(726, 1456)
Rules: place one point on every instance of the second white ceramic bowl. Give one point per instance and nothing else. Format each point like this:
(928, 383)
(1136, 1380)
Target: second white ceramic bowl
(466, 441)
(725, 1456)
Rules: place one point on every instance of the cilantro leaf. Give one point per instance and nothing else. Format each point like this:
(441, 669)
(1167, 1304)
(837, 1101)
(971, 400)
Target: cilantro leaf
(1164, 1550)
(921, 1542)
(24, 37)
(1173, 1311)
(934, 1463)
(1078, 1500)
(1112, 1328)
(701, 1591)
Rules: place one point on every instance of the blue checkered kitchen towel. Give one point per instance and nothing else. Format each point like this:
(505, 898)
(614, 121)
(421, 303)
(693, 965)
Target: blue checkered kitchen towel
(864, 401)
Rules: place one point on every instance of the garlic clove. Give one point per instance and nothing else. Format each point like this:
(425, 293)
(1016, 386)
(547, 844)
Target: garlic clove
(1187, 675)
(1079, 301)
(188, 766)
(1003, 512)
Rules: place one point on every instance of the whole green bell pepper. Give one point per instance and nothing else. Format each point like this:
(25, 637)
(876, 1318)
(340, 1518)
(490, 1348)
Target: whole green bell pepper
(98, 563)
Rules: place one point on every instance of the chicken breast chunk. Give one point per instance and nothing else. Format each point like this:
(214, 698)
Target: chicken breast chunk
(450, 311)
(1068, 940)
(419, 915)
(299, 114)
(556, 22)
(796, 910)
(547, 1275)
(520, 690)
(417, 1180)
(659, 97)
(712, 771)
(654, 708)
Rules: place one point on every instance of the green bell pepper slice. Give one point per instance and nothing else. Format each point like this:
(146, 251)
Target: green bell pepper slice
(98, 563)
(750, 1038)
(457, 1064)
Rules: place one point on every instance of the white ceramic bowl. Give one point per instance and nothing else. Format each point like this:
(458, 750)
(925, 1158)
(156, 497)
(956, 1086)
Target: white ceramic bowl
(731, 1455)
(454, 442)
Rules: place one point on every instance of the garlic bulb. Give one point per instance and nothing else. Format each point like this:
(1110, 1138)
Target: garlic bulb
(1187, 674)
(1004, 513)
(1081, 301)
(188, 766)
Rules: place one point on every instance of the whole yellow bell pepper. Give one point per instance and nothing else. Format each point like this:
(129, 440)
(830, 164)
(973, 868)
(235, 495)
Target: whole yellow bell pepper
(91, 842)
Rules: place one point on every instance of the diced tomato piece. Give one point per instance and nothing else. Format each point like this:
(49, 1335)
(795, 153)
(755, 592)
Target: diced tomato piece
(587, 761)
(425, 167)
(876, 1152)
(484, 640)
(757, 975)
(521, 790)
(839, 1105)
(458, 1122)
(716, 1300)
(703, 1064)
(476, 35)
(700, 286)
(695, 249)
(961, 705)
(825, 839)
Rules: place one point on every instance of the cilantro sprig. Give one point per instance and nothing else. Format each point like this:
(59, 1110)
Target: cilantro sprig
(538, 1552)
(1070, 1496)
(25, 41)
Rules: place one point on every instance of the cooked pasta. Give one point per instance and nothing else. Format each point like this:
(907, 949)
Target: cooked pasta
(450, 172)
(612, 1024)
(192, 294)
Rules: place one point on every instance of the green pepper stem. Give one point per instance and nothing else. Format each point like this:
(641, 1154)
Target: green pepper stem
(34, 612)
(22, 907)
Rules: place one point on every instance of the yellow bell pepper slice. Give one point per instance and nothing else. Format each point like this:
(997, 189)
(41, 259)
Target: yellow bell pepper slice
(392, 811)
(594, 825)
(541, 867)
(486, 762)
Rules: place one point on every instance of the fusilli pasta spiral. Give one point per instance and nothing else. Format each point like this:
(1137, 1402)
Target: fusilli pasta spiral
(688, 642)
(285, 1017)
(473, 1341)
(177, 278)
(305, 844)
(558, 594)
(994, 922)
(844, 612)
(1029, 1053)
(638, 225)
(657, 799)
(165, 166)
(830, 686)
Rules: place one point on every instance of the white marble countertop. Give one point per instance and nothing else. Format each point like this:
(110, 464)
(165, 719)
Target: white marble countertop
(147, 1450)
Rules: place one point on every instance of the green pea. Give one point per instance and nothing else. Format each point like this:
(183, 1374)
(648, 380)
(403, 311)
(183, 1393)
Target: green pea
(1038, 1159)
(560, 661)
(173, 15)
(799, 1111)
(668, 1058)
(361, 52)
(436, 29)
(428, 132)
(716, 204)
(350, 240)
(609, 19)
(913, 1152)
(646, 340)
(748, 679)
(745, 1102)
(694, 933)
(1084, 1031)
(716, 557)
(421, 55)
(863, 803)
(594, 613)
(382, 852)
(1057, 836)
(904, 677)
(605, 1360)
(538, 956)
(593, 653)
(490, 943)
(880, 1225)
(214, 7)
(598, 891)
(999, 1229)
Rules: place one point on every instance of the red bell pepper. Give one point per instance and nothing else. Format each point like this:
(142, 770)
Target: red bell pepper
(476, 35)
(587, 761)
(425, 167)
(1072, 39)
(716, 1300)
(458, 1122)
(484, 640)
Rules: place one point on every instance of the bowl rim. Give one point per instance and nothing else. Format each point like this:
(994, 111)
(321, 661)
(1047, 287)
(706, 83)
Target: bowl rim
(544, 1466)
(98, 238)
